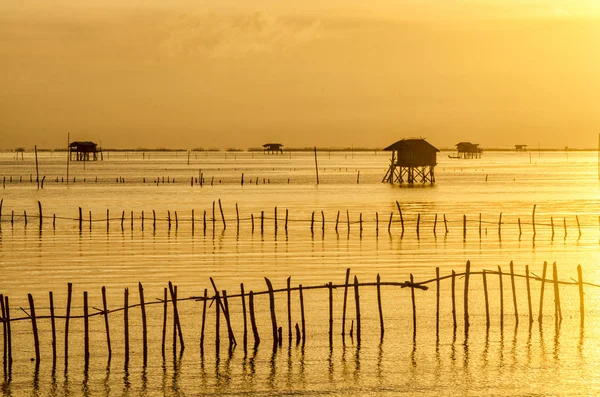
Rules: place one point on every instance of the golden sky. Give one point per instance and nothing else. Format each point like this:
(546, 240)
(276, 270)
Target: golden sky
(330, 73)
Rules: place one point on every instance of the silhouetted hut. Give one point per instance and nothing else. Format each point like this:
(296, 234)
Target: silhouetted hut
(520, 148)
(273, 148)
(467, 150)
(413, 160)
(83, 150)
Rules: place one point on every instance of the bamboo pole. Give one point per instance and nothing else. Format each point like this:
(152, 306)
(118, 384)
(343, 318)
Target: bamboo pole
(435, 225)
(36, 339)
(312, 222)
(528, 295)
(154, 220)
(486, 299)
(225, 313)
(454, 299)
(53, 327)
(337, 221)
(243, 297)
(302, 318)
(126, 323)
(500, 226)
(578, 225)
(37, 171)
(533, 219)
(381, 326)
(86, 330)
(204, 304)
(123, 220)
(164, 325)
(262, 222)
(330, 288)
(401, 218)
(437, 301)
(414, 306)
(445, 224)
(357, 302)
(565, 226)
(272, 310)
(316, 166)
(418, 223)
(67, 316)
(323, 221)
(581, 302)
(514, 292)
(176, 322)
(286, 219)
(348, 219)
(289, 308)
(552, 226)
(377, 222)
(222, 215)
(217, 322)
(144, 325)
(9, 333)
(237, 214)
(464, 226)
(253, 319)
(232, 341)
(345, 301)
(275, 219)
(557, 309)
(501, 290)
(80, 219)
(40, 213)
(390, 222)
(519, 221)
(106, 326)
(480, 223)
(466, 300)
(540, 315)
(5, 336)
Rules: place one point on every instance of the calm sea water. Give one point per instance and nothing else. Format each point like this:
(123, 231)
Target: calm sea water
(511, 359)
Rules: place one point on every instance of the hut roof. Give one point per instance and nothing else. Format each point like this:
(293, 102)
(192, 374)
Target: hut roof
(82, 144)
(418, 144)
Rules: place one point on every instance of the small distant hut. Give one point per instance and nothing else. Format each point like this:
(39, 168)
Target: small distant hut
(273, 148)
(413, 160)
(84, 151)
(467, 150)
(520, 148)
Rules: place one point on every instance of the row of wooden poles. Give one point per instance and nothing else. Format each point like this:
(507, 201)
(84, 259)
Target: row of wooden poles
(200, 180)
(222, 300)
(313, 221)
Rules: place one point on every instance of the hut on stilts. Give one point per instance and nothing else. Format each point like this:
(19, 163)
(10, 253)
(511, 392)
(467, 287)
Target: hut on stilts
(413, 160)
(467, 150)
(273, 148)
(84, 151)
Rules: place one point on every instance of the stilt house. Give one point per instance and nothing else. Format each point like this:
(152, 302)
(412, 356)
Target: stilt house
(84, 151)
(520, 148)
(467, 150)
(413, 160)
(273, 148)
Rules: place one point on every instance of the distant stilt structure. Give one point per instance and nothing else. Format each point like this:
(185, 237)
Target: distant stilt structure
(413, 160)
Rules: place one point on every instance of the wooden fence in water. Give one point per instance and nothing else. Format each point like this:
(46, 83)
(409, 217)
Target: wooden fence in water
(297, 331)
(259, 221)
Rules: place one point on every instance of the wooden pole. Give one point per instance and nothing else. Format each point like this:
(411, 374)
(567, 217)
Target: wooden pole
(348, 219)
(302, 318)
(540, 315)
(164, 325)
(237, 215)
(36, 339)
(357, 302)
(533, 219)
(323, 221)
(445, 224)
(312, 222)
(176, 322)
(528, 295)
(552, 225)
(565, 226)
(435, 224)
(578, 226)
(337, 221)
(286, 219)
(581, 303)
(262, 221)
(519, 221)
(154, 220)
(401, 218)
(390, 222)
(381, 326)
(414, 305)
(514, 292)
(217, 322)
(418, 222)
(86, 330)
(204, 304)
(53, 326)
(345, 301)
(106, 326)
(437, 301)
(500, 226)
(243, 296)
(464, 226)
(144, 325)
(480, 223)
(485, 295)
(275, 219)
(67, 317)
(40, 214)
(454, 299)
(316, 165)
(123, 220)
(4, 336)
(557, 309)
(330, 288)
(360, 222)
(80, 219)
(8, 333)
(289, 309)
(232, 341)
(37, 171)
(222, 215)
(501, 290)
(253, 319)
(126, 323)
(272, 309)
(466, 300)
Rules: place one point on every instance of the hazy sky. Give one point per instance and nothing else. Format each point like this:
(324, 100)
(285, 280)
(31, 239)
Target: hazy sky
(330, 73)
